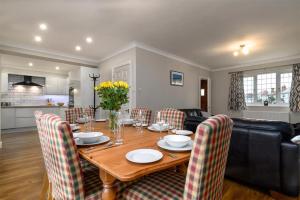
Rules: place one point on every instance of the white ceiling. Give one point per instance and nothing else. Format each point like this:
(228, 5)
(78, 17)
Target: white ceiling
(203, 31)
(21, 63)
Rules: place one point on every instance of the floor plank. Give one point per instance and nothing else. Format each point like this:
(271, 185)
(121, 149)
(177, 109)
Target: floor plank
(21, 171)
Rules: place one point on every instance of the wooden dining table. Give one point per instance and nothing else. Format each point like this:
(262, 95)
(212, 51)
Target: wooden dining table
(113, 164)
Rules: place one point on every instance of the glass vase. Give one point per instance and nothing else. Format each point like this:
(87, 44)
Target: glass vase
(112, 120)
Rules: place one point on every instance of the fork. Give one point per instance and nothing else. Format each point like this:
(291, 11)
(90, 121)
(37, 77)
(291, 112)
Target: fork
(103, 147)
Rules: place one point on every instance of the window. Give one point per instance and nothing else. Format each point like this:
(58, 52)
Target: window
(285, 87)
(249, 89)
(273, 86)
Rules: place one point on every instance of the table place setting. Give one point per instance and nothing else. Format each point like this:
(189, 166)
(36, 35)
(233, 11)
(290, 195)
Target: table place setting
(182, 132)
(177, 143)
(144, 156)
(75, 127)
(159, 127)
(101, 120)
(90, 138)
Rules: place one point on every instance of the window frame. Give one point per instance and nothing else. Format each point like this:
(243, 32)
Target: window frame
(255, 73)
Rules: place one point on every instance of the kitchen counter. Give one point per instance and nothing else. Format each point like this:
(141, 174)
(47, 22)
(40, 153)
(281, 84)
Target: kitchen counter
(32, 106)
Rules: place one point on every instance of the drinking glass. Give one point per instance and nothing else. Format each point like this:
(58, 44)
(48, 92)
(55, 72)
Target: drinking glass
(119, 130)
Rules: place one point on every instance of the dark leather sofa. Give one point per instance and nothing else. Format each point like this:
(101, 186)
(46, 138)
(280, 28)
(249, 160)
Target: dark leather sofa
(193, 117)
(261, 154)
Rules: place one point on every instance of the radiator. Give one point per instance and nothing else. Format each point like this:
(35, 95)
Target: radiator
(278, 116)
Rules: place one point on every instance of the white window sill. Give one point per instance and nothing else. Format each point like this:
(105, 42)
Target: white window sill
(270, 105)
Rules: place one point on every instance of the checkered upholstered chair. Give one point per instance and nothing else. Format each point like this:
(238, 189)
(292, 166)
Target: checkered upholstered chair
(205, 175)
(172, 116)
(68, 180)
(145, 112)
(74, 113)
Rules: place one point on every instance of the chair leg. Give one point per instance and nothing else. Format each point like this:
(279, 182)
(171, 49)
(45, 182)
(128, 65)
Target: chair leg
(45, 187)
(49, 195)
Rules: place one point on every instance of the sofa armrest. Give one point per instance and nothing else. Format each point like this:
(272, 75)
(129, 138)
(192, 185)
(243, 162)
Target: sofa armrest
(290, 168)
(264, 158)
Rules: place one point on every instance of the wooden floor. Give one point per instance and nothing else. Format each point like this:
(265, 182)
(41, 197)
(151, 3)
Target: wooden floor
(21, 171)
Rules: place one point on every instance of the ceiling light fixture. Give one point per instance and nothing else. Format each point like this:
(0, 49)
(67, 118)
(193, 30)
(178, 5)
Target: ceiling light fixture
(30, 64)
(43, 26)
(57, 68)
(236, 53)
(78, 48)
(242, 50)
(38, 38)
(89, 40)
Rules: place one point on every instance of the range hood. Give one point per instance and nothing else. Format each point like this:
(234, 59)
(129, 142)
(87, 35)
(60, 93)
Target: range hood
(27, 82)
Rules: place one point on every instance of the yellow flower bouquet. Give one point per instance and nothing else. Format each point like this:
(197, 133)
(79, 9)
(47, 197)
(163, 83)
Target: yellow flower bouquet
(113, 95)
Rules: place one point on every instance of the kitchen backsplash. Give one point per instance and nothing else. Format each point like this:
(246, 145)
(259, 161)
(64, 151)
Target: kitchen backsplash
(30, 95)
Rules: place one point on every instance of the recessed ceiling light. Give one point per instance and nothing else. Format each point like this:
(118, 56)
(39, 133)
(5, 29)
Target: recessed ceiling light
(38, 38)
(78, 48)
(43, 27)
(235, 53)
(89, 40)
(57, 68)
(30, 64)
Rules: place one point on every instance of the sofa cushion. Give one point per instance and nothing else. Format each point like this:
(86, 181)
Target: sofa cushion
(286, 129)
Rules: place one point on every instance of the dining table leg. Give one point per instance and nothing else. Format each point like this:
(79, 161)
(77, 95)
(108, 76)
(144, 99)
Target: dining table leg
(109, 191)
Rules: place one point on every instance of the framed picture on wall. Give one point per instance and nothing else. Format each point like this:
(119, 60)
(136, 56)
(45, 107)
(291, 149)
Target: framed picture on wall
(176, 78)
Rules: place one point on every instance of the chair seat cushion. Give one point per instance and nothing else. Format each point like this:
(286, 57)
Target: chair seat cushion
(165, 185)
(93, 185)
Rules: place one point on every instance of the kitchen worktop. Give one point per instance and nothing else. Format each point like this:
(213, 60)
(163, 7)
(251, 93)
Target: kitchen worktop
(33, 106)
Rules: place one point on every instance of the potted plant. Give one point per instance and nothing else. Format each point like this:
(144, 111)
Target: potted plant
(113, 95)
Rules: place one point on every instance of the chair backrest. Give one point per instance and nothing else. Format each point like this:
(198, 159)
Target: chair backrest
(38, 115)
(65, 172)
(172, 116)
(145, 112)
(207, 164)
(74, 113)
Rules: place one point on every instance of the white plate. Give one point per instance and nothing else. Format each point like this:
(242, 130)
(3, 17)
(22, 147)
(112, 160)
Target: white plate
(153, 129)
(87, 134)
(128, 121)
(144, 125)
(101, 140)
(164, 145)
(100, 120)
(75, 128)
(182, 132)
(143, 156)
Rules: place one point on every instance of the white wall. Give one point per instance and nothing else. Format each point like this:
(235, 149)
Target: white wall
(220, 91)
(0, 102)
(153, 82)
(106, 67)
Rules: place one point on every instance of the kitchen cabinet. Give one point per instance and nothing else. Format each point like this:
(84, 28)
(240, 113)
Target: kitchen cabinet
(4, 82)
(56, 86)
(8, 118)
(12, 118)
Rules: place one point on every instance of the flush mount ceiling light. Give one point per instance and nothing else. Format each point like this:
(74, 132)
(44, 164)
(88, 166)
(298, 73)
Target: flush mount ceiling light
(43, 26)
(37, 38)
(30, 64)
(57, 68)
(89, 40)
(242, 50)
(78, 48)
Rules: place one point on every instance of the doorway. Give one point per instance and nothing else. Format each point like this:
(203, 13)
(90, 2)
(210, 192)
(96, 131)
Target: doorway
(122, 72)
(204, 94)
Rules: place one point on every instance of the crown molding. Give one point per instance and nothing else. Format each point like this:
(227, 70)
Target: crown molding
(119, 51)
(23, 51)
(157, 51)
(256, 63)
